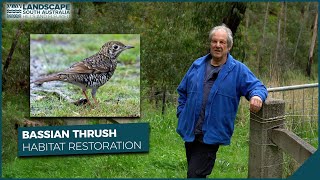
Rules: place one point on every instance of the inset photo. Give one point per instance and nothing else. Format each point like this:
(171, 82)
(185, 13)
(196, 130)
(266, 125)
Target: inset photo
(84, 75)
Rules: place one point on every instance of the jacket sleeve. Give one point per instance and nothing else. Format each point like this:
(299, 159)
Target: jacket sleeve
(251, 85)
(182, 91)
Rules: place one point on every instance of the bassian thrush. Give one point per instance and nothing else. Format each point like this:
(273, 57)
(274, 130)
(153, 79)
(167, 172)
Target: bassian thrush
(91, 72)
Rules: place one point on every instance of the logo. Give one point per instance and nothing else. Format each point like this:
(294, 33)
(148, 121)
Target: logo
(36, 11)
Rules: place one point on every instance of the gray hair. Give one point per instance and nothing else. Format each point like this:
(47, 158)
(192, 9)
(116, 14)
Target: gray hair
(229, 34)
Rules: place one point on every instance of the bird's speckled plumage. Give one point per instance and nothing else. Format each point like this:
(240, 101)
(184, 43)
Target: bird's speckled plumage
(91, 72)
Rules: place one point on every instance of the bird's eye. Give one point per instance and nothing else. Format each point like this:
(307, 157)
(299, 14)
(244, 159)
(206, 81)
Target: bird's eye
(115, 47)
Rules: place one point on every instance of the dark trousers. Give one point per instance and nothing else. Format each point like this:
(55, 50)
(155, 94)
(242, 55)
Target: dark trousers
(201, 158)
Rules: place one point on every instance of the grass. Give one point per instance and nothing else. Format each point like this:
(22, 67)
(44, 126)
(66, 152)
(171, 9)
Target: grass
(16, 103)
(119, 97)
(74, 47)
(166, 158)
(114, 101)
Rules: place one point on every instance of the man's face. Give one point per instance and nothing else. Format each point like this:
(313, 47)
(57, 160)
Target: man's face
(219, 46)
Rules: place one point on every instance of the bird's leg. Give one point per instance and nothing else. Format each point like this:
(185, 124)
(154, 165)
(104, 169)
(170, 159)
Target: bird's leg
(95, 100)
(93, 94)
(85, 94)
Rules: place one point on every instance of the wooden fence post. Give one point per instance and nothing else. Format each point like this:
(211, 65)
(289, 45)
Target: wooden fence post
(265, 158)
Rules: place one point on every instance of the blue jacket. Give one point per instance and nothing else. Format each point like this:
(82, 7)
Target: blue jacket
(234, 80)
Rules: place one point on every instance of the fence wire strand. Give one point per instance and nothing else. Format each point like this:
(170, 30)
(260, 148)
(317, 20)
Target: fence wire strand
(301, 118)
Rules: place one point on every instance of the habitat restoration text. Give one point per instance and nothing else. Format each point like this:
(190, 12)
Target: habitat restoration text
(77, 146)
(82, 140)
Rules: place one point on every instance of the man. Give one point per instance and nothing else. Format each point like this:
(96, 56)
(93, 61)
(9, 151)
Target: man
(209, 96)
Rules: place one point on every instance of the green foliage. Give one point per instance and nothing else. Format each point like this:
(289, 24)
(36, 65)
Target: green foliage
(12, 103)
(168, 38)
(295, 38)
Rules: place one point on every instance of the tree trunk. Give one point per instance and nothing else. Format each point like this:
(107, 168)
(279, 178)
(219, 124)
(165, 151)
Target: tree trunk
(261, 46)
(235, 15)
(284, 57)
(164, 101)
(313, 43)
(278, 46)
(304, 15)
(12, 48)
(247, 20)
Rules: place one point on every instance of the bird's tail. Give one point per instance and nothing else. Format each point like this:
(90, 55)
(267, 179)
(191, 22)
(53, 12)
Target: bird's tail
(53, 77)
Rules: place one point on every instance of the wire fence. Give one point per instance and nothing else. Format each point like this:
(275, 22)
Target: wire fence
(301, 110)
(301, 114)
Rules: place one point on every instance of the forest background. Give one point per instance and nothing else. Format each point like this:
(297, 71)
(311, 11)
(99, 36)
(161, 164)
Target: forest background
(276, 40)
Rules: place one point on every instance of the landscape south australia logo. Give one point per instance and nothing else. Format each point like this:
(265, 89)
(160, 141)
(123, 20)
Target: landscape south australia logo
(20, 11)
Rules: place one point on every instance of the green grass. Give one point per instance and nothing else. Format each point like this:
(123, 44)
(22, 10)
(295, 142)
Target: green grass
(14, 110)
(119, 97)
(232, 160)
(166, 158)
(74, 47)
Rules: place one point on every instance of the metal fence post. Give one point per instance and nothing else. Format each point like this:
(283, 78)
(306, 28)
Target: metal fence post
(265, 159)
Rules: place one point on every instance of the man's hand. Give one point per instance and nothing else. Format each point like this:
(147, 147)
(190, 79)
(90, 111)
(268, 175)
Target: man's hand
(255, 104)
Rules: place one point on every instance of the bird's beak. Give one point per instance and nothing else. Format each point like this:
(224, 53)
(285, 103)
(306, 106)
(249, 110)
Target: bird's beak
(129, 47)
